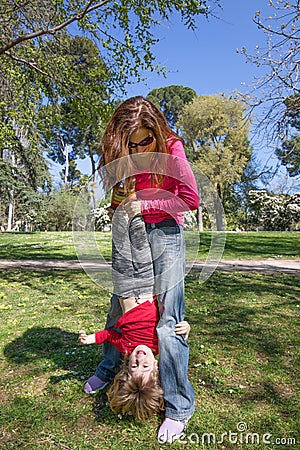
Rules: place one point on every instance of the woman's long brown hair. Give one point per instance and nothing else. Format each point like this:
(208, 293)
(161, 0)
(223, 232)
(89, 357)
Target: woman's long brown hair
(132, 114)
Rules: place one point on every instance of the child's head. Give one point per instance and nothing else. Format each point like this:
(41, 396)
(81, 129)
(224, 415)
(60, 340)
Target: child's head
(141, 362)
(136, 389)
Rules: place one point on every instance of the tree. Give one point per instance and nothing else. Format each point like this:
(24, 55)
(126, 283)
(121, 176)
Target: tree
(123, 30)
(61, 210)
(36, 57)
(23, 170)
(289, 154)
(171, 101)
(240, 192)
(214, 126)
(71, 125)
(280, 61)
(274, 212)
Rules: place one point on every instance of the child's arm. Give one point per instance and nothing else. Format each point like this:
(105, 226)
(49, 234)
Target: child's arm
(86, 339)
(183, 328)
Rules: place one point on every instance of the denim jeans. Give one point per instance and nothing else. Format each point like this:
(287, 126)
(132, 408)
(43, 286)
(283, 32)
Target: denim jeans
(168, 253)
(132, 266)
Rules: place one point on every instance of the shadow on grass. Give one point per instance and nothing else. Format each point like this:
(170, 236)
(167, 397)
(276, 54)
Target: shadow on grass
(52, 346)
(47, 282)
(20, 250)
(247, 326)
(262, 245)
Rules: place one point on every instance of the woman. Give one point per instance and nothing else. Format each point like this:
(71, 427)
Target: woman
(139, 142)
(136, 389)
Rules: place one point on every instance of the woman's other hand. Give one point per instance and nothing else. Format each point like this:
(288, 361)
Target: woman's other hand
(183, 328)
(132, 206)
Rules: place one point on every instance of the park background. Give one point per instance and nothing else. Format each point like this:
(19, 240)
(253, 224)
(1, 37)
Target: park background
(59, 86)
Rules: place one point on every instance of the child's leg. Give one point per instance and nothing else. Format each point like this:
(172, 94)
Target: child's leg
(131, 259)
(141, 254)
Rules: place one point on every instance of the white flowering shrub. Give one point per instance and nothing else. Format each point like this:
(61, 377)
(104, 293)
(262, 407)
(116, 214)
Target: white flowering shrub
(190, 220)
(101, 218)
(274, 212)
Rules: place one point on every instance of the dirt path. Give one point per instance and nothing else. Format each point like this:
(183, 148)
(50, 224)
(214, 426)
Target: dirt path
(266, 266)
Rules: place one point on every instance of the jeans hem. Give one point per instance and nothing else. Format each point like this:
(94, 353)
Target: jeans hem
(103, 377)
(180, 417)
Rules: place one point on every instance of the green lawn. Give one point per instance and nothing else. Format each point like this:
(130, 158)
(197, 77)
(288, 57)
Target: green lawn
(244, 362)
(59, 245)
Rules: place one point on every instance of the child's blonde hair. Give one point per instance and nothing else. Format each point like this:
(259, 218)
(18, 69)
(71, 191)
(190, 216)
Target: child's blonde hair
(132, 395)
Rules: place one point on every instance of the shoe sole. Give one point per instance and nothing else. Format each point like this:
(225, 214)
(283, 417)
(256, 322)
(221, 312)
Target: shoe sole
(96, 390)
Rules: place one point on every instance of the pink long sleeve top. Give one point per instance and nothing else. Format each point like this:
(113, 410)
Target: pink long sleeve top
(178, 192)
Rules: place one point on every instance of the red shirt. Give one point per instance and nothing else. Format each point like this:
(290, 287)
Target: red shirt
(138, 326)
(178, 192)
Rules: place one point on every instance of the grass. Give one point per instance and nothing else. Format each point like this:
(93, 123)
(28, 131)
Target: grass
(244, 364)
(60, 245)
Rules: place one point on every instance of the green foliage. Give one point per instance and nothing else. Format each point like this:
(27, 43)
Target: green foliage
(289, 154)
(61, 210)
(124, 30)
(55, 87)
(72, 121)
(171, 101)
(214, 126)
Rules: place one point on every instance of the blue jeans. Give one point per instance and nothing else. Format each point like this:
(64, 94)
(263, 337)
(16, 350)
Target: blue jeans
(109, 367)
(168, 252)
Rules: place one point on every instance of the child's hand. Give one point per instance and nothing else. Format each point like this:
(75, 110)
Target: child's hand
(183, 328)
(86, 339)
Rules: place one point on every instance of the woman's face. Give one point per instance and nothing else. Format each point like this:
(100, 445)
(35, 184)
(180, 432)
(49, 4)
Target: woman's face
(142, 141)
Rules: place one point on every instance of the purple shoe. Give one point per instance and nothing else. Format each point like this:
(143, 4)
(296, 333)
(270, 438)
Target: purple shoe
(94, 384)
(171, 430)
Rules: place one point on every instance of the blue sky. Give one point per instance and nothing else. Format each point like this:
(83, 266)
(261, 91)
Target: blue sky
(206, 59)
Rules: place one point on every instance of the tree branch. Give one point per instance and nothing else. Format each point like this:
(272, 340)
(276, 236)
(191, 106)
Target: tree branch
(88, 9)
(24, 61)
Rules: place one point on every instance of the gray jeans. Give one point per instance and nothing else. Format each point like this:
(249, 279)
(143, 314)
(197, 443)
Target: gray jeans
(132, 265)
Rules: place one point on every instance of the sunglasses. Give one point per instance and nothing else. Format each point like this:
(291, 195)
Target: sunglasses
(147, 141)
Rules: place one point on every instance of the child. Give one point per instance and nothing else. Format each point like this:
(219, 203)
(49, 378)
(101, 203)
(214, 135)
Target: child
(136, 389)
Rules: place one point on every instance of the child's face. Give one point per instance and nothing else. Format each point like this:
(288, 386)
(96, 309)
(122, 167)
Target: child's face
(142, 362)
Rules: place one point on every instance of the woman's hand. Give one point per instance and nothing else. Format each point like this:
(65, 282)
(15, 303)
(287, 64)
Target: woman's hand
(183, 328)
(110, 212)
(132, 206)
(86, 339)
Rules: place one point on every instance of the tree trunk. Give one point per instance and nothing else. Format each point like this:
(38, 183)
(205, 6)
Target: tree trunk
(219, 211)
(199, 219)
(66, 154)
(93, 164)
(10, 213)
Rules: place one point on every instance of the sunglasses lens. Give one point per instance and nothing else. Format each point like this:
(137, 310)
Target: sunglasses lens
(146, 141)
